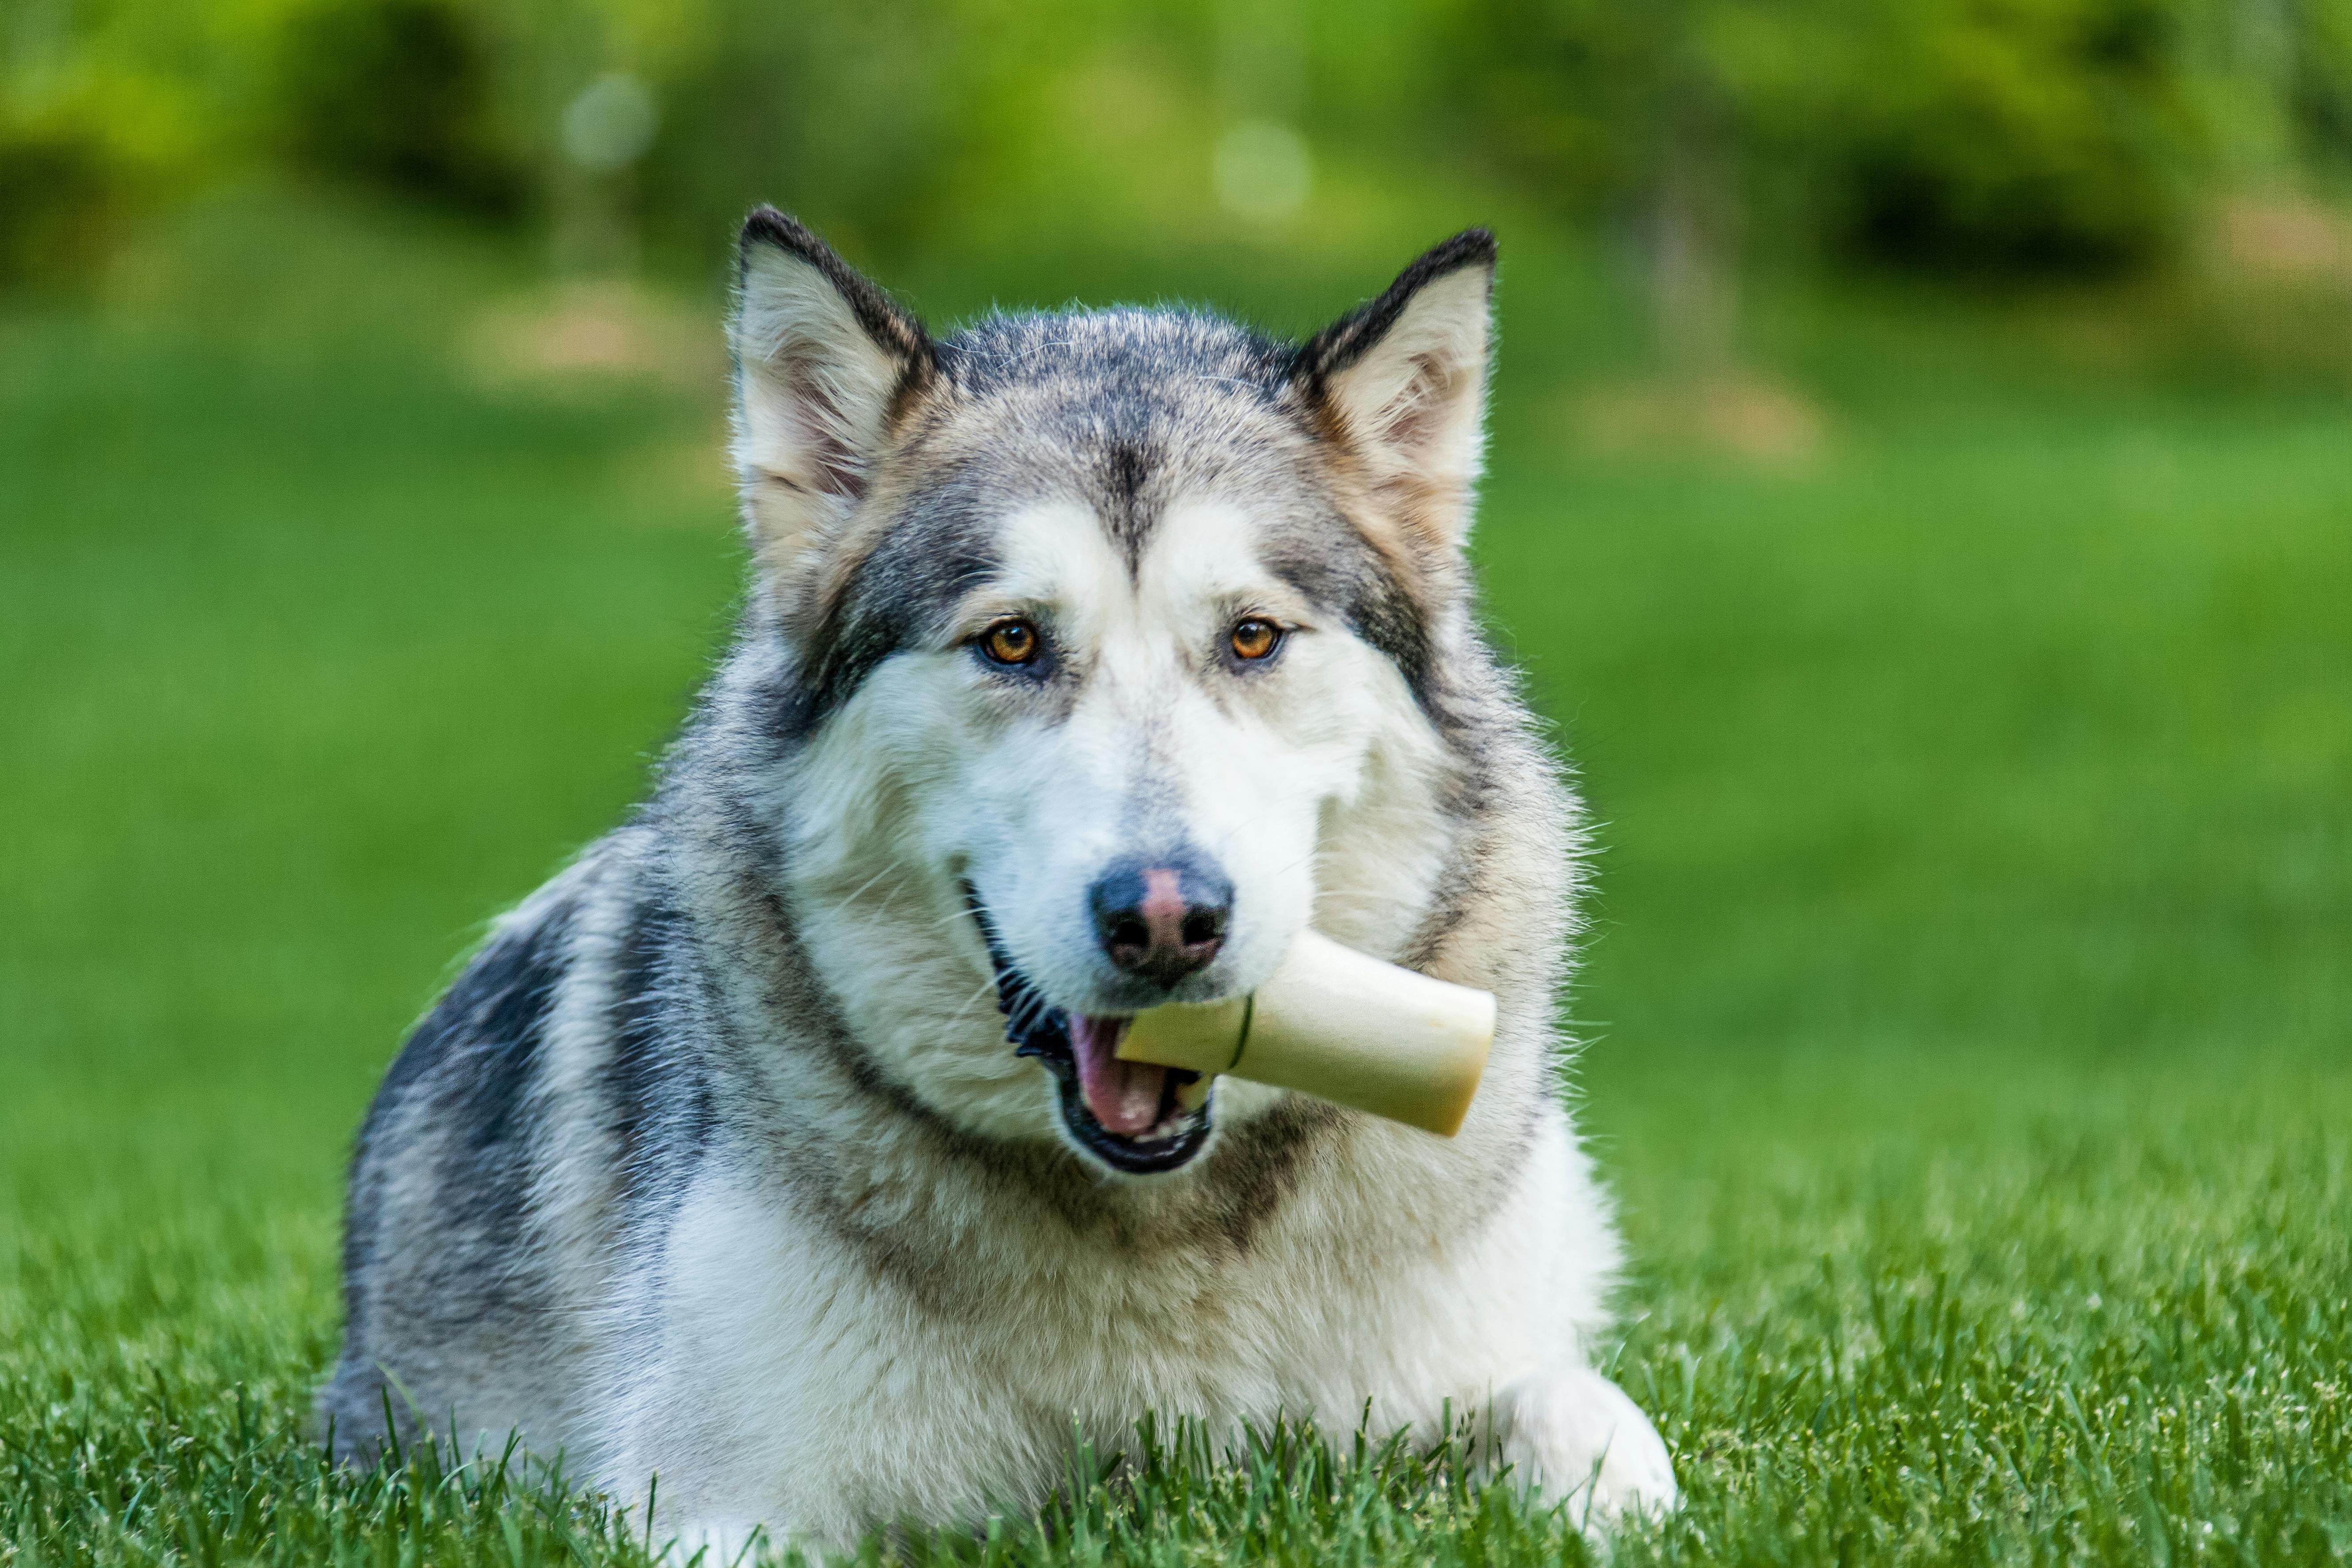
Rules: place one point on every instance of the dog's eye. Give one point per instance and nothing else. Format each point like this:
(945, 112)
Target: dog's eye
(1254, 637)
(1011, 641)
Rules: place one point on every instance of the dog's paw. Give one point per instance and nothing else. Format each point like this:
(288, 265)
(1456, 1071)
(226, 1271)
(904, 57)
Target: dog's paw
(1573, 1435)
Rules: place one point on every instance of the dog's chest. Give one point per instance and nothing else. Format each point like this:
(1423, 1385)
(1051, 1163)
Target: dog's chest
(764, 1303)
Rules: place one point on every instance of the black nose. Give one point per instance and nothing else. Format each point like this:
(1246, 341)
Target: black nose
(1162, 921)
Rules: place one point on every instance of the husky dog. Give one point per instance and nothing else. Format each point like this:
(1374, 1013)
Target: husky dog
(1090, 658)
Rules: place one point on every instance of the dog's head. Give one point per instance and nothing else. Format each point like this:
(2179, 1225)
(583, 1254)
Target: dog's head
(1110, 644)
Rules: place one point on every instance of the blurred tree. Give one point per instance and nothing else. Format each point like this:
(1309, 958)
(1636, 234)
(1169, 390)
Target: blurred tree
(2010, 135)
(605, 130)
(1949, 133)
(847, 113)
(2319, 83)
(59, 188)
(98, 111)
(2014, 134)
(1626, 111)
(398, 93)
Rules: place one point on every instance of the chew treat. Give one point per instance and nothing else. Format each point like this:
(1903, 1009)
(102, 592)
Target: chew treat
(1339, 1025)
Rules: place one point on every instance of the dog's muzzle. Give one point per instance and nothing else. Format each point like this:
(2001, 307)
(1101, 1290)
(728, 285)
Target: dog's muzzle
(1134, 1117)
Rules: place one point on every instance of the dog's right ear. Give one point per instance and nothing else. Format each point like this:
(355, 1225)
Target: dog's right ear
(824, 362)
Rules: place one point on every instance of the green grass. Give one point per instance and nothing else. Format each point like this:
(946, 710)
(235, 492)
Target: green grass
(1970, 993)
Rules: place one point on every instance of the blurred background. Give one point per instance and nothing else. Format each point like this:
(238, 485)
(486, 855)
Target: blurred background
(1922, 496)
(2000, 140)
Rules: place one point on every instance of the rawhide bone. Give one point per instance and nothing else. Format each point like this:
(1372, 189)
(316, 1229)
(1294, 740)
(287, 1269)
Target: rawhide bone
(1340, 1024)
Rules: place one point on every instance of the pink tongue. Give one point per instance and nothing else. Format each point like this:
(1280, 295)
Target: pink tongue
(1123, 1096)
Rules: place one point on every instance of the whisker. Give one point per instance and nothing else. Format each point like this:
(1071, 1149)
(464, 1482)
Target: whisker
(868, 886)
(987, 989)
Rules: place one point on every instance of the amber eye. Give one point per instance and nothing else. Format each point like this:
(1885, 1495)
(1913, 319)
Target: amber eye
(1254, 639)
(1010, 642)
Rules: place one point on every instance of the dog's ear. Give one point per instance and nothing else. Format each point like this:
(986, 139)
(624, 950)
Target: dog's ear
(1404, 380)
(824, 362)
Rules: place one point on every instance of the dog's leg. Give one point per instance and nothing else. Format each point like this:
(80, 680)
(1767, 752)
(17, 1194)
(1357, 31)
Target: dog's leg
(1571, 1434)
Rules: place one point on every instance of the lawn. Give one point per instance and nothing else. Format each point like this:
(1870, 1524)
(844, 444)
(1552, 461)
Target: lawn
(1970, 997)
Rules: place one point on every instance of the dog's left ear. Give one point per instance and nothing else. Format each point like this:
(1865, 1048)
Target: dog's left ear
(824, 364)
(1404, 380)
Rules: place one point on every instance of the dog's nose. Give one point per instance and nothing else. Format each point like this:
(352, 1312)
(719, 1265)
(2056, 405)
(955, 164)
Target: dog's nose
(1162, 921)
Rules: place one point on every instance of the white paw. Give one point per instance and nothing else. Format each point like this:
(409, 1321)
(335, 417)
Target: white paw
(1572, 1434)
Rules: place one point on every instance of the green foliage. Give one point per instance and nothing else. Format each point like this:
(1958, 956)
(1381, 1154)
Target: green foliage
(857, 114)
(2013, 135)
(2033, 134)
(93, 124)
(2321, 83)
(397, 92)
(2005, 135)
(60, 185)
(1580, 97)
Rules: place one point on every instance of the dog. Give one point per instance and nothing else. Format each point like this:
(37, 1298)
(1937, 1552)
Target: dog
(774, 1159)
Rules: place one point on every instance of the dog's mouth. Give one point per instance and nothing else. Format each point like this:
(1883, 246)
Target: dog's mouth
(1132, 1116)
